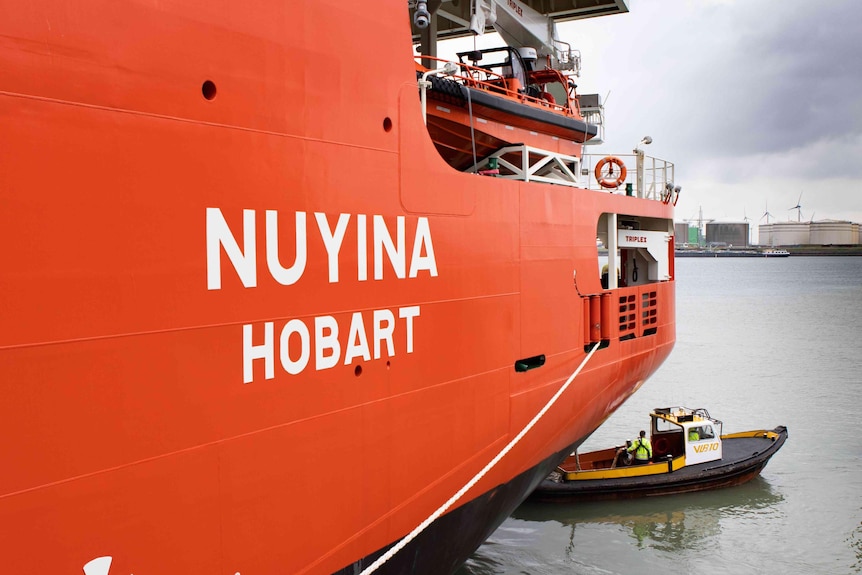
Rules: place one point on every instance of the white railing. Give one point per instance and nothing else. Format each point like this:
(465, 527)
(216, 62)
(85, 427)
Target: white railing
(646, 177)
(529, 164)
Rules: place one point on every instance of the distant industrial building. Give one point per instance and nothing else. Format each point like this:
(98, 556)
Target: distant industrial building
(822, 233)
(727, 234)
(681, 234)
(685, 235)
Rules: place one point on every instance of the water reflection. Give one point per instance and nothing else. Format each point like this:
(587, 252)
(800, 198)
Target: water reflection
(666, 523)
(613, 536)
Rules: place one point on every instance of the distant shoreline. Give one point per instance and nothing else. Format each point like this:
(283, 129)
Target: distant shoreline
(824, 250)
(794, 251)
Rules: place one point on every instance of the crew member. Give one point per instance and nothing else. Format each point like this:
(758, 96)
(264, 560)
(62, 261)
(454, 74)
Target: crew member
(693, 434)
(641, 448)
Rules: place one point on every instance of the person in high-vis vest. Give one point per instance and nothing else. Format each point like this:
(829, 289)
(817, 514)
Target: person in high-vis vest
(641, 448)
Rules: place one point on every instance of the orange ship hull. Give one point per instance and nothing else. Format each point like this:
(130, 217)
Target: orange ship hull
(252, 322)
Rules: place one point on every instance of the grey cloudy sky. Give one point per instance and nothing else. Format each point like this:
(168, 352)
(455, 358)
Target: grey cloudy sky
(755, 101)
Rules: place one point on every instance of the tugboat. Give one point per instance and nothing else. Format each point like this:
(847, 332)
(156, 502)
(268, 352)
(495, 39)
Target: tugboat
(234, 252)
(688, 453)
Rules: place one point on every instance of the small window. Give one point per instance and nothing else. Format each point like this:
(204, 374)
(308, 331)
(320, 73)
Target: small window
(707, 432)
(662, 426)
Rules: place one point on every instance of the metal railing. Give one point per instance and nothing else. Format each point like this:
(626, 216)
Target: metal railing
(495, 82)
(647, 177)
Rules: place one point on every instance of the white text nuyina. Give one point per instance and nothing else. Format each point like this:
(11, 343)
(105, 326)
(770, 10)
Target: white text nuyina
(366, 334)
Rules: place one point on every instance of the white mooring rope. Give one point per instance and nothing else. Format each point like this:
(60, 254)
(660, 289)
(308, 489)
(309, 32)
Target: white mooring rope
(443, 508)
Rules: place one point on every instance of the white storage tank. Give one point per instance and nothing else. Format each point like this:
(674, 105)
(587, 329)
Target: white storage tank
(834, 233)
(785, 234)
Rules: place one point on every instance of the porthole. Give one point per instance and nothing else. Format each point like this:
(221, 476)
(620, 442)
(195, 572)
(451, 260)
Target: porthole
(209, 90)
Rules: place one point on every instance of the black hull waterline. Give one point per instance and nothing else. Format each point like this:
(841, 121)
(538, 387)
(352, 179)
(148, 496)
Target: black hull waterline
(450, 540)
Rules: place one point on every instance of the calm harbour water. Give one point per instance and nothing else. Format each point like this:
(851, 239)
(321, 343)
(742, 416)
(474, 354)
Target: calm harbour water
(760, 343)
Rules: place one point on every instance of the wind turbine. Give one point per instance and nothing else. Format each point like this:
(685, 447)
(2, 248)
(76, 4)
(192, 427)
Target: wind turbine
(766, 214)
(798, 208)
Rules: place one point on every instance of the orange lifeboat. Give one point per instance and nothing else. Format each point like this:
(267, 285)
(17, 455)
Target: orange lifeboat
(498, 99)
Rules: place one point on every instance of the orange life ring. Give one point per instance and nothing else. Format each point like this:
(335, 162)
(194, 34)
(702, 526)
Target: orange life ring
(609, 181)
(660, 446)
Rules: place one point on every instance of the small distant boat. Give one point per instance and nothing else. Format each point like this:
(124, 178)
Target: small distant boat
(690, 453)
(730, 253)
